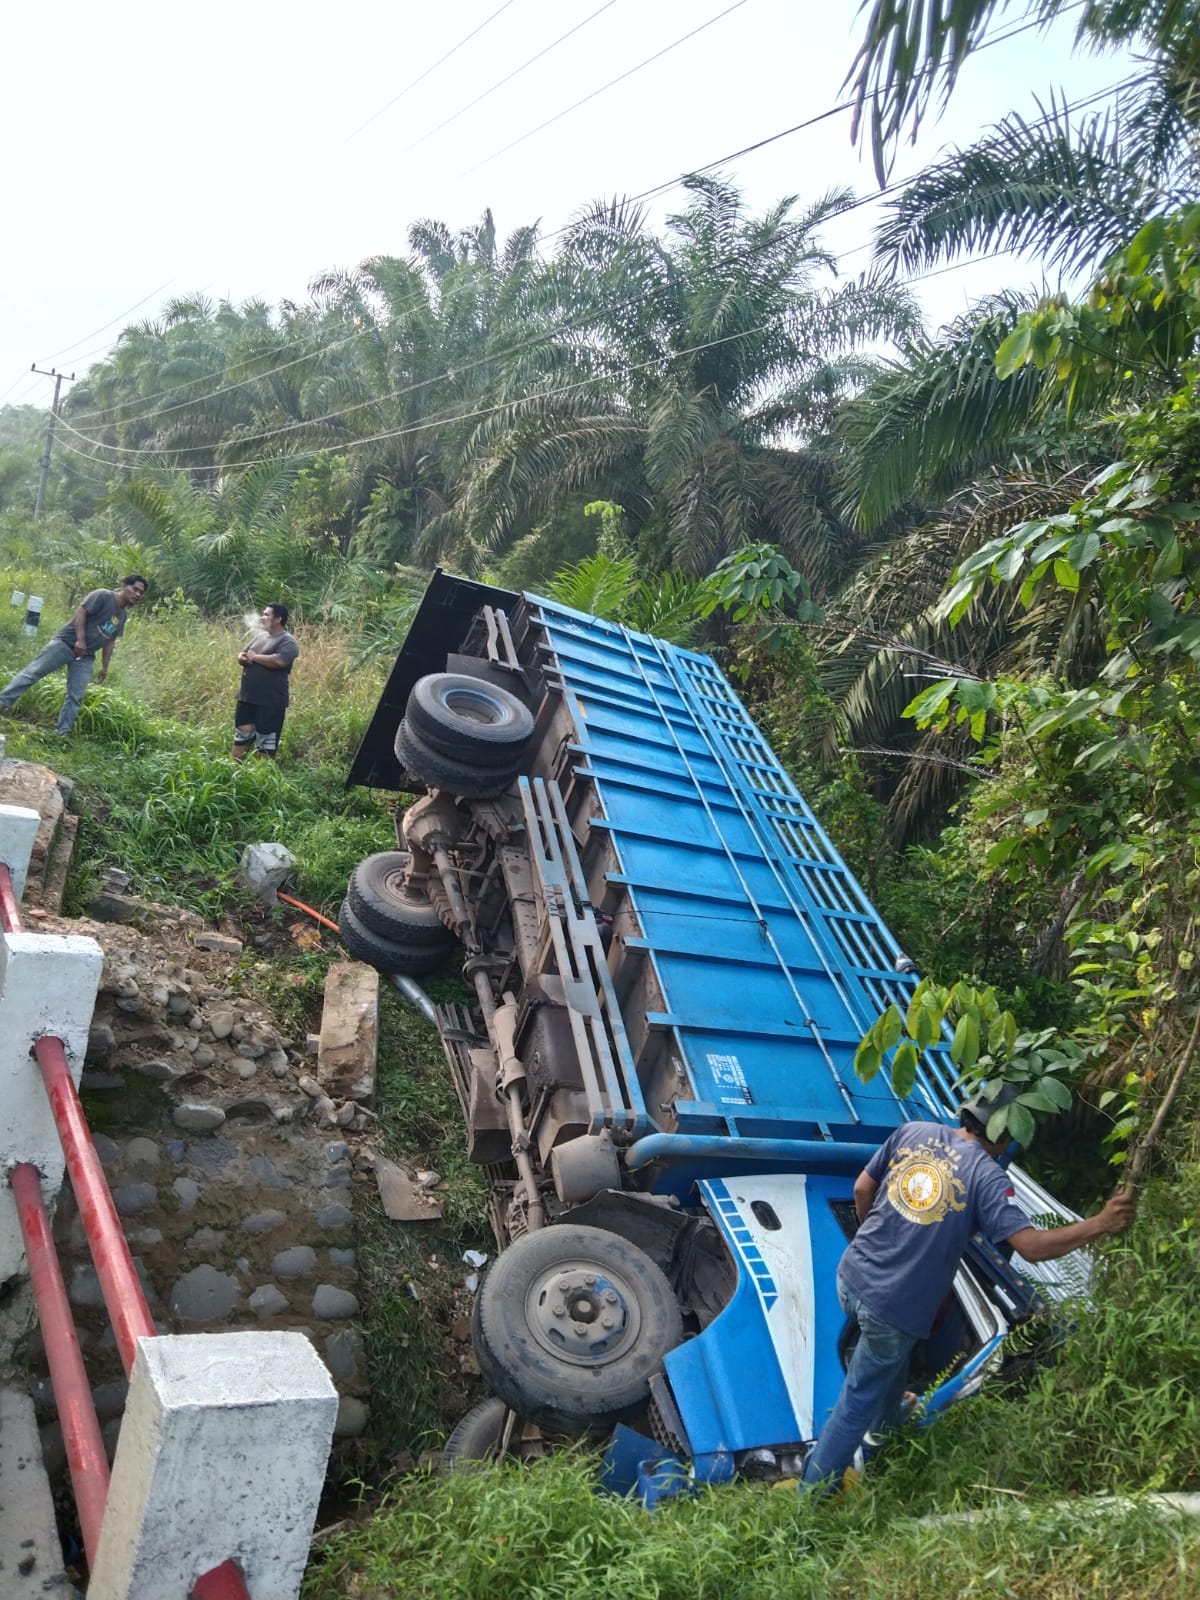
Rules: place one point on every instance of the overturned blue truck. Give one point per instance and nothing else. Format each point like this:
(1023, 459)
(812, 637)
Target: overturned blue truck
(671, 968)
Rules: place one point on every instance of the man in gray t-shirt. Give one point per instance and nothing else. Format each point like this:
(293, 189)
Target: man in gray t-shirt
(98, 623)
(262, 700)
(920, 1199)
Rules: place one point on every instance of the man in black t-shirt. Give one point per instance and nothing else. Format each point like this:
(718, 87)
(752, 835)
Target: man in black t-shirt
(263, 695)
(98, 623)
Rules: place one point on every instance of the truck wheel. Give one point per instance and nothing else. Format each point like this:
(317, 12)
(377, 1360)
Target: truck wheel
(468, 719)
(439, 772)
(411, 960)
(381, 899)
(476, 1436)
(570, 1325)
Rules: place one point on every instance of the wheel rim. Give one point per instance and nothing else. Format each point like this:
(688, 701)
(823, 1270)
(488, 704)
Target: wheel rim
(471, 706)
(583, 1314)
(397, 885)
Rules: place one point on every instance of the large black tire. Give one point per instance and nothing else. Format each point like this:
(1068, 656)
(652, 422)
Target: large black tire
(411, 960)
(380, 898)
(439, 772)
(477, 1436)
(589, 1366)
(468, 719)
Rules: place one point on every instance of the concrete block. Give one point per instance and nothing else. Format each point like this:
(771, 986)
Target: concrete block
(18, 830)
(48, 984)
(264, 868)
(258, 1410)
(349, 1045)
(31, 1565)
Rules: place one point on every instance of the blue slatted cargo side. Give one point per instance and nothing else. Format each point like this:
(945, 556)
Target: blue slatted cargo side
(772, 959)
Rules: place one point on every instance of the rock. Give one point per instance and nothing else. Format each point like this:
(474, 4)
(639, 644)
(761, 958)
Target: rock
(101, 1042)
(336, 1150)
(338, 1178)
(204, 1295)
(143, 1152)
(341, 1354)
(334, 1215)
(263, 1221)
(109, 1398)
(54, 1450)
(220, 1022)
(349, 1043)
(247, 1069)
(179, 1005)
(131, 1198)
(352, 1417)
(283, 1114)
(268, 1174)
(333, 1303)
(106, 907)
(188, 1192)
(198, 1119)
(252, 1047)
(195, 1022)
(205, 1055)
(277, 1062)
(325, 1112)
(85, 1287)
(267, 1301)
(205, 1241)
(107, 1149)
(222, 943)
(341, 1258)
(159, 996)
(345, 1114)
(310, 1087)
(146, 1237)
(90, 1078)
(294, 1263)
(263, 868)
(160, 1071)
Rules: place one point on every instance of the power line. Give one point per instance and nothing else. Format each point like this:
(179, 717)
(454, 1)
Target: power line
(470, 106)
(558, 116)
(420, 78)
(55, 354)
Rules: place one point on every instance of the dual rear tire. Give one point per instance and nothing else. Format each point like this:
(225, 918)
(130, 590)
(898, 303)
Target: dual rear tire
(384, 923)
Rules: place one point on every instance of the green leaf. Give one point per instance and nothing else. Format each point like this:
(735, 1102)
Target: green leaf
(1066, 576)
(889, 1028)
(1056, 1092)
(964, 1051)
(867, 1060)
(1035, 818)
(904, 1068)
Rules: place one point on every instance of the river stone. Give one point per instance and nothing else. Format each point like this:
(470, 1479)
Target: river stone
(268, 1301)
(143, 1152)
(220, 1022)
(335, 1215)
(109, 1398)
(130, 1198)
(144, 1236)
(351, 1418)
(198, 1119)
(341, 1258)
(107, 1149)
(294, 1263)
(338, 1178)
(336, 1150)
(268, 1174)
(206, 1239)
(341, 1354)
(334, 1303)
(210, 1155)
(187, 1191)
(204, 1295)
(85, 1287)
(158, 1071)
(102, 1041)
(247, 1069)
(263, 1221)
(204, 1055)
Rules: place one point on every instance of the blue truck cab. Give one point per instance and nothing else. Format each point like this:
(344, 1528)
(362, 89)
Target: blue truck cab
(670, 969)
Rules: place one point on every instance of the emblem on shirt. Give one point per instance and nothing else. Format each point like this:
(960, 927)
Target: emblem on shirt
(923, 1187)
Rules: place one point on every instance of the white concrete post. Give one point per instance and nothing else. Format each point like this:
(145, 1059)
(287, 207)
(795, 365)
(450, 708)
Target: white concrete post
(222, 1454)
(48, 984)
(18, 830)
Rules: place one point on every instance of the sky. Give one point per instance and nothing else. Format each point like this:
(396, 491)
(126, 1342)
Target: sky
(239, 149)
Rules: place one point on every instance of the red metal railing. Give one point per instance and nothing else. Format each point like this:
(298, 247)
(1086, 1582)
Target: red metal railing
(123, 1297)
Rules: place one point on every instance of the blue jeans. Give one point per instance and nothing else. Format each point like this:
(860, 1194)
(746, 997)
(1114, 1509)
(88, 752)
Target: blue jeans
(871, 1395)
(57, 654)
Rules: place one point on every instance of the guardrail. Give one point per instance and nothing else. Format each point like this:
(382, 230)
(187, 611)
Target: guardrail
(228, 1433)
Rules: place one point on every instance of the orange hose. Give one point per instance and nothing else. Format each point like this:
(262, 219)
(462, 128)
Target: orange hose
(300, 906)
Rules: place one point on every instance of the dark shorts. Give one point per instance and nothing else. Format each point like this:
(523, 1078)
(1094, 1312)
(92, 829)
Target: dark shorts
(264, 725)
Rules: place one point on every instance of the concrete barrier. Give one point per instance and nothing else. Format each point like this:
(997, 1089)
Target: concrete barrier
(222, 1455)
(18, 830)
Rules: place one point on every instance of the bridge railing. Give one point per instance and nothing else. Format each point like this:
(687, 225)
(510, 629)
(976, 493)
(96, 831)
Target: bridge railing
(225, 1439)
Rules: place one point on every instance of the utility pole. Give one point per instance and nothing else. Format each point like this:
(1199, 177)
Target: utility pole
(44, 464)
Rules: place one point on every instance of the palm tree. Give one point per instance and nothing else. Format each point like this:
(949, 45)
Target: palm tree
(677, 376)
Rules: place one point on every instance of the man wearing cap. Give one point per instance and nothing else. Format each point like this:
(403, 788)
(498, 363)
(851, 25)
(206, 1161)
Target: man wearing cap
(920, 1199)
